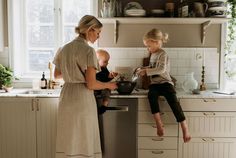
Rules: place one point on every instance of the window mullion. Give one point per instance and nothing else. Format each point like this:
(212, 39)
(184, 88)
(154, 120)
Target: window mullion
(57, 24)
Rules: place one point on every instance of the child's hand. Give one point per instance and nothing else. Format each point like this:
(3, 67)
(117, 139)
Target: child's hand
(113, 74)
(141, 72)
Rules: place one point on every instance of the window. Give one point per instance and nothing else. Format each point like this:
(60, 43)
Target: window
(38, 27)
(230, 66)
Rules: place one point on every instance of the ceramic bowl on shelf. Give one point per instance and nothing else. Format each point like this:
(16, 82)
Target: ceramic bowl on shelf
(216, 12)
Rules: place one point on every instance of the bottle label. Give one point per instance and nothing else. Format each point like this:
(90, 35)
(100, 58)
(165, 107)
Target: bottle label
(43, 84)
(185, 11)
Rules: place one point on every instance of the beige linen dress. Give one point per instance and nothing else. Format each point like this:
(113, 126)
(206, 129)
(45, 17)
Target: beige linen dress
(77, 123)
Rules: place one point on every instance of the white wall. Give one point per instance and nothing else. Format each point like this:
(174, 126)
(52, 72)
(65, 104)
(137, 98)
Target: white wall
(182, 60)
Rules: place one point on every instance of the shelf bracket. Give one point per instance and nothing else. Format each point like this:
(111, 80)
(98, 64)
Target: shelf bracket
(115, 31)
(203, 30)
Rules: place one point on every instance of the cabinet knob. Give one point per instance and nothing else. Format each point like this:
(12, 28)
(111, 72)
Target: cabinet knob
(209, 100)
(209, 113)
(157, 139)
(158, 152)
(208, 139)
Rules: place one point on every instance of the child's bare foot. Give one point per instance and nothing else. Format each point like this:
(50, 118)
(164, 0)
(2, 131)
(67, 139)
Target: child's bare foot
(160, 129)
(186, 134)
(159, 124)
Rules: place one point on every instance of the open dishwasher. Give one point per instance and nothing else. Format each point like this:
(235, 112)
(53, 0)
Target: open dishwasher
(118, 128)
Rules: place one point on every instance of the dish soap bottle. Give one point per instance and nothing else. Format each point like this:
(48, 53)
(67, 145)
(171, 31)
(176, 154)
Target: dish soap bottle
(43, 83)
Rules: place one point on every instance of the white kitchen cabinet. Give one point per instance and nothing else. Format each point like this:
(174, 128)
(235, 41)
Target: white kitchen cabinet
(211, 124)
(208, 147)
(212, 127)
(149, 144)
(17, 128)
(46, 115)
(27, 127)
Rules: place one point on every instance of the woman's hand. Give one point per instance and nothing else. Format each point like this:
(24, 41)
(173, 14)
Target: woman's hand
(57, 74)
(112, 85)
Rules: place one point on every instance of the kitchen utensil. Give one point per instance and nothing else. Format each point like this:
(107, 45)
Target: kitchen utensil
(115, 78)
(135, 76)
(225, 92)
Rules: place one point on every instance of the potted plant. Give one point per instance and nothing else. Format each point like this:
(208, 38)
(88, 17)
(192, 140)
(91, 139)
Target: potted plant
(6, 78)
(232, 22)
(231, 37)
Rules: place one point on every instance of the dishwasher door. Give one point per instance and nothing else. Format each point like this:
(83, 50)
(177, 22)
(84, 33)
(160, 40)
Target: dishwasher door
(118, 129)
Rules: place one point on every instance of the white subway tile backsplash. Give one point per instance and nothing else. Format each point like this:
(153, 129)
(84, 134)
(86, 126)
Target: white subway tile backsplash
(182, 60)
(172, 54)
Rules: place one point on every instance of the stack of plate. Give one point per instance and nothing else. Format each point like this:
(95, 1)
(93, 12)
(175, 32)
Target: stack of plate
(216, 8)
(134, 9)
(135, 12)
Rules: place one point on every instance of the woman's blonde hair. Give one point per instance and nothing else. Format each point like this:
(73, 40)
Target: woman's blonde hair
(156, 34)
(86, 23)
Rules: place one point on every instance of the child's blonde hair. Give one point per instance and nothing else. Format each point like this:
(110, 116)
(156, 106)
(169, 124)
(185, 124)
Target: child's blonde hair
(101, 53)
(156, 34)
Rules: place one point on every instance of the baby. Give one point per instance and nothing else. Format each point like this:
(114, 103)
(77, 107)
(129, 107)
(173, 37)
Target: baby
(102, 96)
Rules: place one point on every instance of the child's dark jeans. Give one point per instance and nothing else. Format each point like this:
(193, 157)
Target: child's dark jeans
(167, 90)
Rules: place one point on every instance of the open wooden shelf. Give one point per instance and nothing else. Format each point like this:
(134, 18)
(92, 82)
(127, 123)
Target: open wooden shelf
(153, 20)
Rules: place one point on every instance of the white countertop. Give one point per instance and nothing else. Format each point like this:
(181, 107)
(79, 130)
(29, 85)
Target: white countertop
(135, 94)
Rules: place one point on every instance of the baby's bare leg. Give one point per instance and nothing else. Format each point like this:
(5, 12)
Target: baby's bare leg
(159, 124)
(105, 102)
(186, 134)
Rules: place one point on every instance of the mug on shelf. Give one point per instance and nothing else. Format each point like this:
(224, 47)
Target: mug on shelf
(200, 9)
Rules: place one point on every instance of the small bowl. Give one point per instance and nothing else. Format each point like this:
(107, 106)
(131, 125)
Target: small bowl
(125, 87)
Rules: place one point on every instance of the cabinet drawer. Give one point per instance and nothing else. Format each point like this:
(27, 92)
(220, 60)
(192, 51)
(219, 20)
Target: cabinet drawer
(157, 153)
(150, 130)
(157, 143)
(143, 105)
(211, 124)
(208, 104)
(208, 148)
(147, 117)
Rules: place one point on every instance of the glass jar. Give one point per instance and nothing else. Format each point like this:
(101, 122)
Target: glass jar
(189, 83)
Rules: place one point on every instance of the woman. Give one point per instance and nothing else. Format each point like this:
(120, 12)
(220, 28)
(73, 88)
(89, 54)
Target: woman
(77, 124)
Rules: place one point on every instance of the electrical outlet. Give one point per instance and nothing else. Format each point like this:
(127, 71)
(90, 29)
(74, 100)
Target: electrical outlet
(198, 56)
